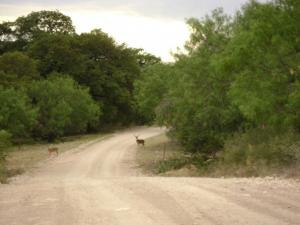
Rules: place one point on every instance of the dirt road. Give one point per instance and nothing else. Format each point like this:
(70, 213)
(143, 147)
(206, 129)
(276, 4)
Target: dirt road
(99, 183)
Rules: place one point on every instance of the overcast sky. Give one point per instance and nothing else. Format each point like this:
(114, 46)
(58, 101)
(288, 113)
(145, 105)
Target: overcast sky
(158, 26)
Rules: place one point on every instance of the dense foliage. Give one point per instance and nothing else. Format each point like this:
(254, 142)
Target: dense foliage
(17, 115)
(17, 70)
(238, 77)
(235, 88)
(4, 143)
(55, 82)
(63, 107)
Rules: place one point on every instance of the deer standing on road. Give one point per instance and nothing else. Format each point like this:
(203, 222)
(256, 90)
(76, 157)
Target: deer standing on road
(53, 150)
(139, 141)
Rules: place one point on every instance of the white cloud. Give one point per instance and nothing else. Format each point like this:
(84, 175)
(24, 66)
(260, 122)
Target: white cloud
(156, 36)
(157, 26)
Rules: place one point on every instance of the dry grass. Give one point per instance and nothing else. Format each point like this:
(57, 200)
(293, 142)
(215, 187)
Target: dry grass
(175, 163)
(27, 157)
(156, 150)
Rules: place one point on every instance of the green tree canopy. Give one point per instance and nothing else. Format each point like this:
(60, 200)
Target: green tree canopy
(237, 74)
(64, 107)
(265, 58)
(17, 69)
(53, 57)
(110, 72)
(36, 23)
(17, 116)
(16, 35)
(151, 88)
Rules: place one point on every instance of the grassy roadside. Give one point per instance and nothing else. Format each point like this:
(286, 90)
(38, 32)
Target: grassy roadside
(176, 163)
(162, 156)
(27, 157)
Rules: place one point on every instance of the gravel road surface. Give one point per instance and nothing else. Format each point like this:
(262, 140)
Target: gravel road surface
(100, 183)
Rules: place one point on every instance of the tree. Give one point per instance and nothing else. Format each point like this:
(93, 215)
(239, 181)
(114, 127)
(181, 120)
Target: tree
(96, 61)
(151, 88)
(17, 69)
(16, 35)
(265, 54)
(37, 23)
(17, 116)
(7, 42)
(64, 107)
(202, 115)
(110, 72)
(146, 59)
(238, 75)
(53, 57)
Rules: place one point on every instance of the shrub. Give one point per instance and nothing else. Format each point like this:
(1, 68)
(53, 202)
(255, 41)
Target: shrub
(4, 142)
(260, 147)
(64, 107)
(171, 164)
(16, 113)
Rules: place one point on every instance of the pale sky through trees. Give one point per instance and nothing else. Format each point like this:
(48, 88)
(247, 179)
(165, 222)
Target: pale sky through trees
(158, 26)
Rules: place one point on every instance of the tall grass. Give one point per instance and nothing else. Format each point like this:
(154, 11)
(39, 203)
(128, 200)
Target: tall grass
(259, 152)
(4, 143)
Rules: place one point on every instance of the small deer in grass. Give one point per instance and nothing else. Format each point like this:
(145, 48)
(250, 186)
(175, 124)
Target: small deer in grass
(53, 150)
(139, 141)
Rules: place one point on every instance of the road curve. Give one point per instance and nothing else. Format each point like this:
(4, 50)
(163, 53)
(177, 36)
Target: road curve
(100, 183)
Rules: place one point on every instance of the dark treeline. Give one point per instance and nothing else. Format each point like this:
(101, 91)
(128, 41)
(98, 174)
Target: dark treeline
(234, 92)
(54, 82)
